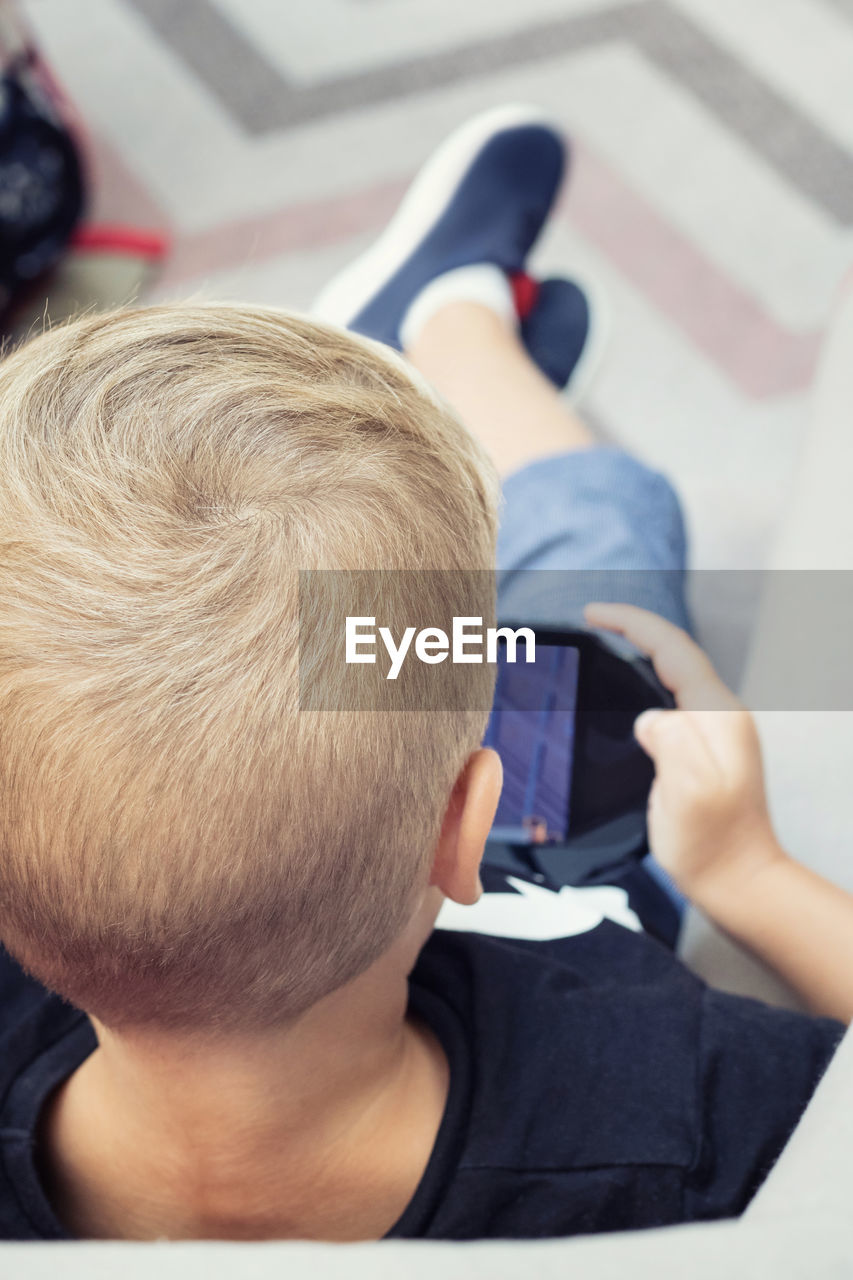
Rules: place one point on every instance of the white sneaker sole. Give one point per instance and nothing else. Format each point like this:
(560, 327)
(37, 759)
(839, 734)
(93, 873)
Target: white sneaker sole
(351, 290)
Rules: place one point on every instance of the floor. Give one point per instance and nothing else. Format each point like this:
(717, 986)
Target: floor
(711, 193)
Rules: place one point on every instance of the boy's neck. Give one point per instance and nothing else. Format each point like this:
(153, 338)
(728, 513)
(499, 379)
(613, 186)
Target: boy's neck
(319, 1131)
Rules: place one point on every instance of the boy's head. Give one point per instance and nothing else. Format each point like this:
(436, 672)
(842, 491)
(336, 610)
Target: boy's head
(180, 845)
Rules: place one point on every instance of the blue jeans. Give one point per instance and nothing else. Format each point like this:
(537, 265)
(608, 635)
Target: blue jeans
(590, 524)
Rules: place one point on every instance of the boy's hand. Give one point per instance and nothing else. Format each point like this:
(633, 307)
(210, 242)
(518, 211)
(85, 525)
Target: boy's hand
(708, 819)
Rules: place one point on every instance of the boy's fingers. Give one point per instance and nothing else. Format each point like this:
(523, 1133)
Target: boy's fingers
(644, 729)
(648, 631)
(670, 738)
(679, 662)
(656, 730)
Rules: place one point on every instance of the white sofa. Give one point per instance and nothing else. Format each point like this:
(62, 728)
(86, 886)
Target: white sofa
(799, 1227)
(808, 753)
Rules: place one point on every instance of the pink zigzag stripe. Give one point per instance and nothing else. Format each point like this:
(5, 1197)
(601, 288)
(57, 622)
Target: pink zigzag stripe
(762, 357)
(724, 321)
(311, 225)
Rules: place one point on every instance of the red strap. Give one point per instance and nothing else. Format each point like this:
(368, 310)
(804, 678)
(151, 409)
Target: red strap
(525, 293)
(109, 238)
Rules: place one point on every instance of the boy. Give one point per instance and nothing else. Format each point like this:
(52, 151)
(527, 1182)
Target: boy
(241, 894)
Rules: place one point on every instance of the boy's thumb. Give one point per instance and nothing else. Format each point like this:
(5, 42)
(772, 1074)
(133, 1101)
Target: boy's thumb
(645, 728)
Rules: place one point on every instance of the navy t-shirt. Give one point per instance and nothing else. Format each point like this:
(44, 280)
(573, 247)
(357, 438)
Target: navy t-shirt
(595, 1084)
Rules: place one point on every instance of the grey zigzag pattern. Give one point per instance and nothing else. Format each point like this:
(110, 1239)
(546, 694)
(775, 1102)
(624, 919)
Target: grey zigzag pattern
(261, 100)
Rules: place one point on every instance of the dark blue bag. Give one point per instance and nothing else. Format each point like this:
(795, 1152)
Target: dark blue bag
(41, 180)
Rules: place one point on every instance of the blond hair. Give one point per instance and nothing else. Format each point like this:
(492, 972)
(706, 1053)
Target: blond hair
(180, 844)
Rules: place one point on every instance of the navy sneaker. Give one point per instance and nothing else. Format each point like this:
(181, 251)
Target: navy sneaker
(483, 197)
(561, 329)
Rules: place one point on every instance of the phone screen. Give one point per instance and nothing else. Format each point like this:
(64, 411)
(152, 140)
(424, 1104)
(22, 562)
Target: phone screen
(532, 728)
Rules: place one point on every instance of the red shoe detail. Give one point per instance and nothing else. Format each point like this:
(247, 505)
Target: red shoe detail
(109, 238)
(525, 293)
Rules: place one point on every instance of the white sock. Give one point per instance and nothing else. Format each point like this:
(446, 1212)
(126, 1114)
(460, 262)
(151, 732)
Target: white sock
(483, 283)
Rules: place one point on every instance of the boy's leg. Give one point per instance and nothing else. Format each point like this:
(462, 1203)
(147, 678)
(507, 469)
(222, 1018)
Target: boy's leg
(447, 282)
(579, 521)
(469, 353)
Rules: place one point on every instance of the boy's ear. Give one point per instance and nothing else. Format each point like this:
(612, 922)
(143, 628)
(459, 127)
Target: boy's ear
(467, 822)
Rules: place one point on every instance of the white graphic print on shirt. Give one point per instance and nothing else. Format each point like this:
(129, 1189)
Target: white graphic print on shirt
(540, 914)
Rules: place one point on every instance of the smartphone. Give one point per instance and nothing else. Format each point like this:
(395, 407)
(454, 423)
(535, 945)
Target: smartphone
(574, 775)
